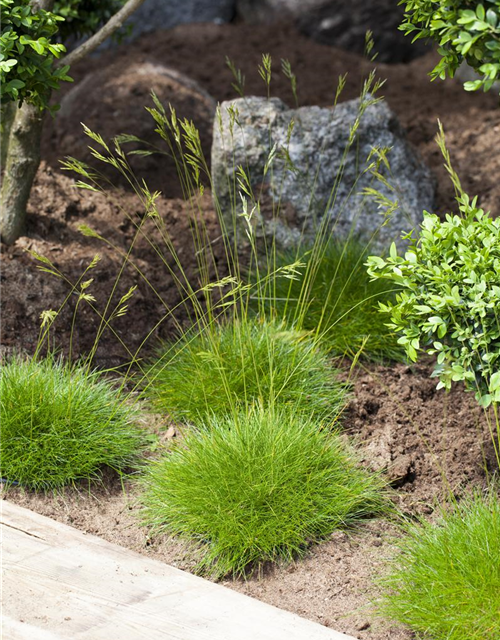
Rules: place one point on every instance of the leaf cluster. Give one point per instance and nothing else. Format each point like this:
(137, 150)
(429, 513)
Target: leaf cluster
(31, 40)
(27, 53)
(450, 299)
(464, 31)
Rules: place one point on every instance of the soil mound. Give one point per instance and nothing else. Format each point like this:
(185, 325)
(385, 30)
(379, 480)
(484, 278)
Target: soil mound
(111, 101)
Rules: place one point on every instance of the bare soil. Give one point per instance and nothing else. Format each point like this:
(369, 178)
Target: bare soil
(429, 443)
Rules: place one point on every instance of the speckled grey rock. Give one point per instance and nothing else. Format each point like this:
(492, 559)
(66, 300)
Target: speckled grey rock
(316, 150)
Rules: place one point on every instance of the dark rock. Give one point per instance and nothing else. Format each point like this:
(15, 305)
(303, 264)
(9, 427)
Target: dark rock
(154, 15)
(341, 23)
(163, 14)
(124, 93)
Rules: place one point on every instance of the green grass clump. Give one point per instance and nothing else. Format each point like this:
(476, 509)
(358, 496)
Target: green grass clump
(333, 295)
(445, 584)
(258, 487)
(61, 423)
(223, 368)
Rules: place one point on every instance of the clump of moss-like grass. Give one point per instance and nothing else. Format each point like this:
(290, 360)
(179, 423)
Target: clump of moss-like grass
(223, 368)
(445, 583)
(333, 295)
(62, 423)
(259, 487)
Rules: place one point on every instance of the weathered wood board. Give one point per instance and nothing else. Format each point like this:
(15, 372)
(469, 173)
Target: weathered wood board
(60, 583)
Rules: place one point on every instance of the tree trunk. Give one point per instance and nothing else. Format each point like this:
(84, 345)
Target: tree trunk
(21, 149)
(20, 169)
(8, 111)
(20, 157)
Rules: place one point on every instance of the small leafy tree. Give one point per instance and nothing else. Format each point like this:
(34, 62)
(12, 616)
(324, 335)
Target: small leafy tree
(28, 51)
(32, 66)
(449, 304)
(464, 30)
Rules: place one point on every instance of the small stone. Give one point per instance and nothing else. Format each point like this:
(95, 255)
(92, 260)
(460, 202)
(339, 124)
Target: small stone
(363, 626)
(171, 433)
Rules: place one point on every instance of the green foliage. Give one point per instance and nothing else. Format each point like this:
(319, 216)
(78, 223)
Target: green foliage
(223, 368)
(464, 30)
(61, 423)
(332, 295)
(27, 53)
(450, 299)
(257, 487)
(445, 583)
(31, 41)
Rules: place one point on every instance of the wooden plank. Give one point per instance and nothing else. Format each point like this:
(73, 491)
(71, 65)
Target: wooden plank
(60, 583)
(17, 630)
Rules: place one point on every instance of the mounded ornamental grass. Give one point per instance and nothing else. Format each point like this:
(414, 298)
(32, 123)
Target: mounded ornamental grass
(445, 584)
(258, 487)
(61, 423)
(334, 296)
(226, 367)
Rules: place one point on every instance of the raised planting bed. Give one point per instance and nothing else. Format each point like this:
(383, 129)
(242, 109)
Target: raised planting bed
(327, 553)
(403, 426)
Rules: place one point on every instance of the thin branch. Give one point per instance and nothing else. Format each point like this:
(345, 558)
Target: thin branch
(46, 5)
(114, 23)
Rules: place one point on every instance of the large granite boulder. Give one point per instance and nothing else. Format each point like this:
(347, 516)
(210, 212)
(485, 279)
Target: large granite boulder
(341, 23)
(302, 195)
